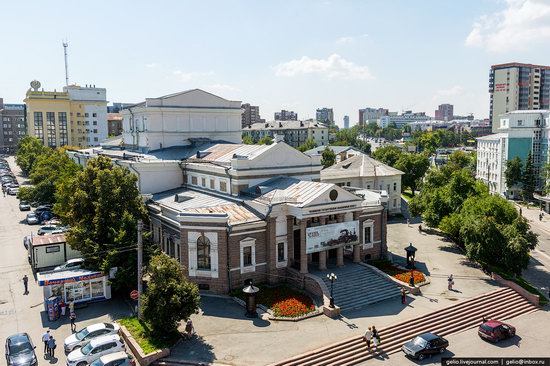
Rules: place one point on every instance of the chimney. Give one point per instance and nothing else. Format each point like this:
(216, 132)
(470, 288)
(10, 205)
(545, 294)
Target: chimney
(343, 156)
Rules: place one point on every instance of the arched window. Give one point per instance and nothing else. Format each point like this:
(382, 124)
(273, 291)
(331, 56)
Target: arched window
(203, 253)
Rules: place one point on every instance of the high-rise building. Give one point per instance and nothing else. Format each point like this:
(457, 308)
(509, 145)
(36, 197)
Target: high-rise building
(75, 116)
(444, 112)
(250, 115)
(346, 121)
(325, 115)
(400, 120)
(12, 126)
(516, 86)
(368, 115)
(285, 115)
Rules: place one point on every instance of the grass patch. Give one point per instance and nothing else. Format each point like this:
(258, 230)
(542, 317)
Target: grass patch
(283, 300)
(407, 195)
(141, 332)
(396, 272)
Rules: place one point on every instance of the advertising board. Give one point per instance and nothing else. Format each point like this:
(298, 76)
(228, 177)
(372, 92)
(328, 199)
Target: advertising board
(331, 236)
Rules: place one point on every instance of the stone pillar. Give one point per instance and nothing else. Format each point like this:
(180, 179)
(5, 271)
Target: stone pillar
(303, 255)
(290, 239)
(340, 250)
(323, 253)
(357, 247)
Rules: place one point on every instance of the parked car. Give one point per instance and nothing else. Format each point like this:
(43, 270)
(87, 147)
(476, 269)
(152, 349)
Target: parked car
(424, 345)
(76, 340)
(24, 206)
(42, 208)
(45, 216)
(495, 331)
(115, 359)
(12, 191)
(94, 349)
(47, 229)
(32, 219)
(70, 264)
(20, 350)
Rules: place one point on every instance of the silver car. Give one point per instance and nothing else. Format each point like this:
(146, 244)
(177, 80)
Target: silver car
(32, 219)
(76, 340)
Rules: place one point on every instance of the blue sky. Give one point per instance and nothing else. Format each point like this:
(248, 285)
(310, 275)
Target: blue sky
(298, 55)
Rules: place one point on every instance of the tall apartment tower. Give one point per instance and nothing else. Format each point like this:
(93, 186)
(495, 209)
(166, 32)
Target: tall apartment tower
(76, 116)
(346, 121)
(12, 126)
(285, 115)
(444, 112)
(325, 115)
(250, 115)
(516, 86)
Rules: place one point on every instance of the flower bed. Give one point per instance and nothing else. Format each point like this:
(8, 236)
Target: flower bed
(283, 301)
(399, 273)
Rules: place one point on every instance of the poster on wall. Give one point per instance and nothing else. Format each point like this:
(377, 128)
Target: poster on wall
(331, 236)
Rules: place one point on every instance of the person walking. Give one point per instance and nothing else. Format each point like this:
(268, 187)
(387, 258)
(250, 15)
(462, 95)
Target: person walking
(71, 306)
(45, 339)
(26, 283)
(51, 347)
(375, 338)
(73, 319)
(408, 222)
(368, 337)
(403, 296)
(189, 328)
(411, 279)
(450, 282)
(520, 211)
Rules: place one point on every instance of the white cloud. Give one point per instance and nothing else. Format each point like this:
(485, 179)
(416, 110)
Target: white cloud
(222, 88)
(453, 91)
(334, 67)
(152, 65)
(345, 40)
(520, 26)
(188, 76)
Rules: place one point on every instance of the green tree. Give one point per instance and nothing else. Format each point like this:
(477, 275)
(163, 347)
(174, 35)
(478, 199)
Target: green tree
(513, 173)
(307, 145)
(247, 140)
(266, 140)
(328, 157)
(388, 154)
(414, 166)
(28, 150)
(102, 205)
(528, 179)
(169, 297)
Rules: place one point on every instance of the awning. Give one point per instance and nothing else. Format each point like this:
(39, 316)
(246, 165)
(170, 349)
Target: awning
(61, 277)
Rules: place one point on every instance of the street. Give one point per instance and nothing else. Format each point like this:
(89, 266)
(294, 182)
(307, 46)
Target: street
(25, 313)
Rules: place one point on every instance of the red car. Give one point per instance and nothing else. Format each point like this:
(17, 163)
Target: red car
(494, 331)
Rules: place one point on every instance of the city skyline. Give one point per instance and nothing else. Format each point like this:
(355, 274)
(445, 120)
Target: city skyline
(350, 65)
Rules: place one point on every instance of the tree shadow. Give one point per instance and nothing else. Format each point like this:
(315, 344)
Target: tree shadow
(194, 350)
(452, 248)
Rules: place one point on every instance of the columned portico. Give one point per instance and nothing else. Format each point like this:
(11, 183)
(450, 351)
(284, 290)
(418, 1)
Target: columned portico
(323, 254)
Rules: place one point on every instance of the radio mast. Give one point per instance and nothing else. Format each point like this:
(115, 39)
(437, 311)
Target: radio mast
(65, 45)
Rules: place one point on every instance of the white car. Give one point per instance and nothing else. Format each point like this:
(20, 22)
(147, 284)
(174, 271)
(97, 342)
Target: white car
(48, 229)
(94, 349)
(79, 338)
(71, 264)
(115, 359)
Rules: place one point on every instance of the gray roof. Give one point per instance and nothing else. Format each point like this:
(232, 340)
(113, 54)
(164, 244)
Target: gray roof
(337, 149)
(359, 166)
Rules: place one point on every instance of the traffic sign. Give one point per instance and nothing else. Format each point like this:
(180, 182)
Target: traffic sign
(134, 295)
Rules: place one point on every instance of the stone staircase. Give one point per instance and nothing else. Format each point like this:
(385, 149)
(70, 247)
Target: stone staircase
(358, 286)
(501, 304)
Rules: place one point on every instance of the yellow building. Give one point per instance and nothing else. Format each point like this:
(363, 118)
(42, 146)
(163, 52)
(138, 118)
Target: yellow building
(76, 116)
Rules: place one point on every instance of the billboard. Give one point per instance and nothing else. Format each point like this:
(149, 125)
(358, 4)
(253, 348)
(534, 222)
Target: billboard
(331, 236)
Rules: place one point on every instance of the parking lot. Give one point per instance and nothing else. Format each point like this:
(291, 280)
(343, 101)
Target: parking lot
(20, 312)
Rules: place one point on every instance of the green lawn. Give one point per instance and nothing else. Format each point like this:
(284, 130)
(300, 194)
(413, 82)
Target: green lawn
(407, 195)
(141, 333)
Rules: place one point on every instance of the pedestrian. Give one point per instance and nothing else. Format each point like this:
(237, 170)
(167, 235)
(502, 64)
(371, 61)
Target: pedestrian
(45, 339)
(3, 191)
(62, 306)
(71, 306)
(408, 222)
(411, 279)
(484, 319)
(375, 338)
(189, 328)
(419, 228)
(26, 283)
(368, 337)
(73, 319)
(403, 296)
(450, 282)
(51, 347)
(520, 211)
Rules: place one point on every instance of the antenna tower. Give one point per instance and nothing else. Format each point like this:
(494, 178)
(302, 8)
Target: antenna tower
(65, 45)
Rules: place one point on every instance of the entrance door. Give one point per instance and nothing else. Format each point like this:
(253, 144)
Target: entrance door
(297, 249)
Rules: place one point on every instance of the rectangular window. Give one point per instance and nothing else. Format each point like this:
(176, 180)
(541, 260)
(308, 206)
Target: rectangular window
(94, 114)
(50, 124)
(367, 237)
(86, 115)
(223, 186)
(95, 123)
(38, 125)
(247, 256)
(212, 184)
(203, 181)
(194, 180)
(280, 252)
(53, 249)
(394, 186)
(63, 136)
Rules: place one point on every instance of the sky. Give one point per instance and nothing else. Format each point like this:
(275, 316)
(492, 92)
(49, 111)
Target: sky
(282, 54)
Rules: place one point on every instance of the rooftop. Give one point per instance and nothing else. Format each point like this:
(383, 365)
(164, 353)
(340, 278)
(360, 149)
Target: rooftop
(224, 152)
(359, 166)
(518, 64)
(336, 149)
(493, 136)
(48, 239)
(293, 125)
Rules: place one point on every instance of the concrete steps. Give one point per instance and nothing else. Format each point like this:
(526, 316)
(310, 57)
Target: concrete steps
(358, 286)
(503, 303)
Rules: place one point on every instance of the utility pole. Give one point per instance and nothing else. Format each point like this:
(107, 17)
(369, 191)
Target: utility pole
(140, 264)
(65, 45)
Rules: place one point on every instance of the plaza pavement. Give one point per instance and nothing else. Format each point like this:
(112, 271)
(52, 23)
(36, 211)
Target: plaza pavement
(25, 313)
(225, 336)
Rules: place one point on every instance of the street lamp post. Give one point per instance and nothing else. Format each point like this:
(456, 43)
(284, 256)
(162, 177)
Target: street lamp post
(332, 277)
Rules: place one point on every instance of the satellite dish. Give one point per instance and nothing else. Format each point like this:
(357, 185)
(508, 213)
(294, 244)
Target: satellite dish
(35, 84)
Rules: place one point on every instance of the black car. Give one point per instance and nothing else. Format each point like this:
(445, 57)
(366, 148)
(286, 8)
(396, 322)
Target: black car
(20, 350)
(424, 345)
(24, 206)
(42, 208)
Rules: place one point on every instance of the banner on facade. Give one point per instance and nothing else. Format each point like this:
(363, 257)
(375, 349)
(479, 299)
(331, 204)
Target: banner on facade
(331, 236)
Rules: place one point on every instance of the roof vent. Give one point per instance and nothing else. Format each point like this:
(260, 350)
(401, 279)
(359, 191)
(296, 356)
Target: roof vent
(240, 157)
(262, 189)
(202, 154)
(345, 166)
(181, 198)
